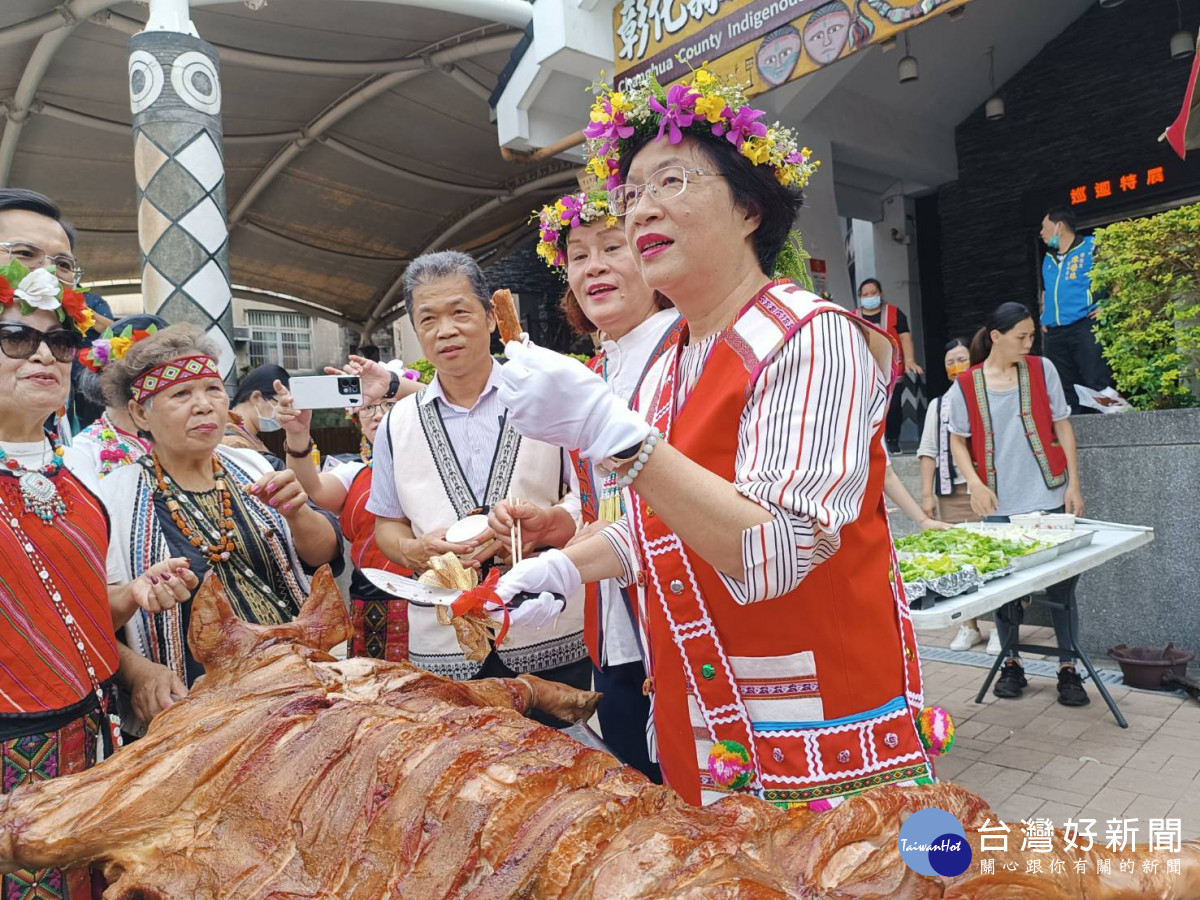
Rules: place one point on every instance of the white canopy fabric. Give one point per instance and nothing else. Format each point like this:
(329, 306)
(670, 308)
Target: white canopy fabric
(357, 136)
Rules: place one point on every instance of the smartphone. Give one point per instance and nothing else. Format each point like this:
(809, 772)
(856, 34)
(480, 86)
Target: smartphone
(326, 391)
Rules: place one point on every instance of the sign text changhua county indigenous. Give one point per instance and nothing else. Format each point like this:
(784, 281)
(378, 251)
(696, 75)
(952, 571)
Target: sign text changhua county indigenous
(760, 43)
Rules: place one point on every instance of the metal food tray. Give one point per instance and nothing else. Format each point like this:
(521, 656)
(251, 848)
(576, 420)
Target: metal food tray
(999, 573)
(963, 581)
(1079, 539)
(1029, 560)
(913, 591)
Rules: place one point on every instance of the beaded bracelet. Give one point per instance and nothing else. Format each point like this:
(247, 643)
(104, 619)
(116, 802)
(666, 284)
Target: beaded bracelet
(642, 458)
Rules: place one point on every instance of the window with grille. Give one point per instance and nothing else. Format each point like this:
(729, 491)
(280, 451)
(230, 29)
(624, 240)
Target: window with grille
(281, 338)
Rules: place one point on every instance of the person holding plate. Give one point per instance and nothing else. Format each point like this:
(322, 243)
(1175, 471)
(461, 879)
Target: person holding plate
(606, 295)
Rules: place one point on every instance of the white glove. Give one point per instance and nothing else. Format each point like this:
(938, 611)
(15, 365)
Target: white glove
(560, 401)
(545, 575)
(533, 613)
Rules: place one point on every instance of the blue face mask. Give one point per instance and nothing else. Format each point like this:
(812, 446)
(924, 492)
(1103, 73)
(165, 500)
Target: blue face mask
(1053, 243)
(872, 302)
(267, 424)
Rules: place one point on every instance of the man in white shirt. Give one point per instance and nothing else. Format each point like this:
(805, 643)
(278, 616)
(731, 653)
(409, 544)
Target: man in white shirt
(448, 452)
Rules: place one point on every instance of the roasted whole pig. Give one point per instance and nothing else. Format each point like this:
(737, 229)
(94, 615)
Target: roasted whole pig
(289, 774)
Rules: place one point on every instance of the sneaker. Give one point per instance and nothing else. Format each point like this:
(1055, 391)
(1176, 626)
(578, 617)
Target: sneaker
(993, 647)
(1070, 688)
(966, 638)
(1011, 682)
(894, 449)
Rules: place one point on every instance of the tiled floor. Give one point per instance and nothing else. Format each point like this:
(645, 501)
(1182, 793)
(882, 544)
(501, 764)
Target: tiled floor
(1032, 757)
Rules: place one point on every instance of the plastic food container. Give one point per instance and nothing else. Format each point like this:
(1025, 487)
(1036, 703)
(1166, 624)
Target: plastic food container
(1044, 521)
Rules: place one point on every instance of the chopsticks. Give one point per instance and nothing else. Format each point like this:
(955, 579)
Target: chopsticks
(515, 534)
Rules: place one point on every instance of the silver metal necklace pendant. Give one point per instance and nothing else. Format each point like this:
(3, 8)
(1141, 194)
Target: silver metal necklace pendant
(40, 495)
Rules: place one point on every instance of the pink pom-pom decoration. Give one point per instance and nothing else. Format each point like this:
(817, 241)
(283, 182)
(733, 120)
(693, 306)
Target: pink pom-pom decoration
(729, 765)
(936, 729)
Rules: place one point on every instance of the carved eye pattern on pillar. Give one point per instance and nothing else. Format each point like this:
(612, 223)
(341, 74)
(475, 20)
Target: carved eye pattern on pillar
(145, 80)
(196, 82)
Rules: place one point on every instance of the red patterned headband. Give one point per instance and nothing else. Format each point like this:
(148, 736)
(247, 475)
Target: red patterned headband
(186, 368)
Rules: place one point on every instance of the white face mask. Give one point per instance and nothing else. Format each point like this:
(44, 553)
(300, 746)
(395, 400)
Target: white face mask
(874, 301)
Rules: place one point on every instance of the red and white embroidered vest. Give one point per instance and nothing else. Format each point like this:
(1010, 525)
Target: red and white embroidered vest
(820, 685)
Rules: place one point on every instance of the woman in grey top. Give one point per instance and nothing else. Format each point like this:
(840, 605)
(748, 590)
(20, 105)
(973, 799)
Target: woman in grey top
(1011, 437)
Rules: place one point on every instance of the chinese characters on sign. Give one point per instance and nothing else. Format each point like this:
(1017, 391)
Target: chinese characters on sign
(1121, 835)
(760, 43)
(1128, 183)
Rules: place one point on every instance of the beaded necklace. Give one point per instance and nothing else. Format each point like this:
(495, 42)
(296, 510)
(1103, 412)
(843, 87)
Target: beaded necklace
(38, 491)
(60, 606)
(217, 545)
(117, 448)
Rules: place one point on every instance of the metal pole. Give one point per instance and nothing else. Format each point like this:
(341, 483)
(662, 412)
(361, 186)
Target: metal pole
(175, 95)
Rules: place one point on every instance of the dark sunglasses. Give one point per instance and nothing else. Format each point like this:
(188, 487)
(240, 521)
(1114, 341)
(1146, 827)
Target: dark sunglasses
(21, 342)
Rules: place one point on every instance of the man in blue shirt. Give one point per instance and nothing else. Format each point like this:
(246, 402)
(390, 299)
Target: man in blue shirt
(1068, 309)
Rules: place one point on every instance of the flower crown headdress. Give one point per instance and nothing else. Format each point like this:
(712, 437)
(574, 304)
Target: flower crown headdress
(705, 103)
(40, 289)
(112, 347)
(556, 219)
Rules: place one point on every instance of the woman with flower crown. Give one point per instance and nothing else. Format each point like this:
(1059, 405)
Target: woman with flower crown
(112, 440)
(58, 652)
(605, 295)
(781, 658)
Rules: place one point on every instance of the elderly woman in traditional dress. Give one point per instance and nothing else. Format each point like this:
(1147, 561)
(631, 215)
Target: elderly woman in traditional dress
(58, 652)
(605, 295)
(380, 620)
(225, 510)
(782, 659)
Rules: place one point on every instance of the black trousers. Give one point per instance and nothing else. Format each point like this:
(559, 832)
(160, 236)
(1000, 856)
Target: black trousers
(1076, 355)
(895, 417)
(577, 675)
(623, 714)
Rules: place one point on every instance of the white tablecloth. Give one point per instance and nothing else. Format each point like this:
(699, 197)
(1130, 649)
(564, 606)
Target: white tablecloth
(1112, 540)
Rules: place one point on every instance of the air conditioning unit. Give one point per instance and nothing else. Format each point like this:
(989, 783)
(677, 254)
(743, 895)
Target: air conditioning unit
(241, 334)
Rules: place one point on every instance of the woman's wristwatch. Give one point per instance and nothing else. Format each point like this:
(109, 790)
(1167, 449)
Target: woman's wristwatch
(393, 387)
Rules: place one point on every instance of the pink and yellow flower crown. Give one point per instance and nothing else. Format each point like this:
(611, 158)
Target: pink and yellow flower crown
(703, 103)
(112, 347)
(555, 220)
(40, 289)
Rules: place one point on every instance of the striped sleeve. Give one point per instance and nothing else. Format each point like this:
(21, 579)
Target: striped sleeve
(621, 540)
(804, 453)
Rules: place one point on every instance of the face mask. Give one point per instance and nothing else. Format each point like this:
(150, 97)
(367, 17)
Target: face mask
(1053, 243)
(267, 424)
(873, 302)
(955, 369)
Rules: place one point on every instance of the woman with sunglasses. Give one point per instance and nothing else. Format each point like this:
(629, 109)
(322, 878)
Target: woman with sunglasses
(225, 510)
(380, 620)
(58, 655)
(782, 660)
